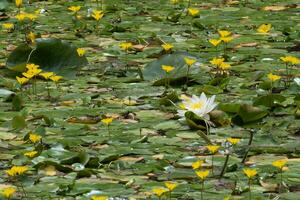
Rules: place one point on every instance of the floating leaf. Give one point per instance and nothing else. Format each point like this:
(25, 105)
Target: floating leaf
(50, 54)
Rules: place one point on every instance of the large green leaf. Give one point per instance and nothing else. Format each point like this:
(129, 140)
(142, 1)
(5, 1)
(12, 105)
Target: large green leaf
(153, 71)
(250, 113)
(51, 54)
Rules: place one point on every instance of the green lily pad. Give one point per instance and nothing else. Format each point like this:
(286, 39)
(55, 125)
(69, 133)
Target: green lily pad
(50, 54)
(153, 71)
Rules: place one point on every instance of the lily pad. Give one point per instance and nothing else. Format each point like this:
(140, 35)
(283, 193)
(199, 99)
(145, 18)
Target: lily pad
(153, 71)
(50, 54)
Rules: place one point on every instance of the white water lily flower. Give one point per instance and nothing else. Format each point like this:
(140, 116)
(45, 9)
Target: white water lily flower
(201, 106)
(297, 81)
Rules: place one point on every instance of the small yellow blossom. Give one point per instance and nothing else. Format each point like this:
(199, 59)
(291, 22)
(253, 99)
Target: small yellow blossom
(55, 78)
(197, 164)
(31, 17)
(193, 11)
(126, 46)
(107, 121)
(97, 14)
(224, 33)
(167, 68)
(32, 66)
(215, 42)
(19, 3)
(167, 46)
(290, 59)
(80, 52)
(217, 61)
(250, 173)
(273, 77)
(233, 141)
(20, 17)
(264, 28)
(226, 39)
(74, 9)
(227, 197)
(189, 61)
(8, 192)
(16, 170)
(30, 154)
(46, 75)
(279, 164)
(202, 174)
(34, 138)
(99, 198)
(171, 185)
(31, 36)
(213, 148)
(159, 191)
(224, 66)
(22, 80)
(8, 26)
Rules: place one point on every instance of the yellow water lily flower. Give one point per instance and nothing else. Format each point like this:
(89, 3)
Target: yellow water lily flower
(22, 80)
(80, 52)
(16, 170)
(8, 192)
(290, 59)
(8, 26)
(226, 39)
(20, 17)
(99, 198)
(34, 138)
(31, 36)
(279, 164)
(107, 121)
(31, 17)
(250, 173)
(19, 3)
(189, 61)
(97, 14)
(193, 12)
(224, 66)
(202, 174)
(159, 191)
(55, 78)
(30, 154)
(273, 77)
(197, 164)
(167, 46)
(233, 141)
(217, 61)
(74, 9)
(215, 42)
(32, 66)
(31, 73)
(264, 28)
(224, 33)
(46, 75)
(171, 185)
(167, 68)
(126, 46)
(213, 148)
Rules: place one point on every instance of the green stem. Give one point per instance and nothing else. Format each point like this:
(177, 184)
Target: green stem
(224, 166)
(249, 146)
(202, 188)
(212, 164)
(48, 89)
(280, 185)
(249, 184)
